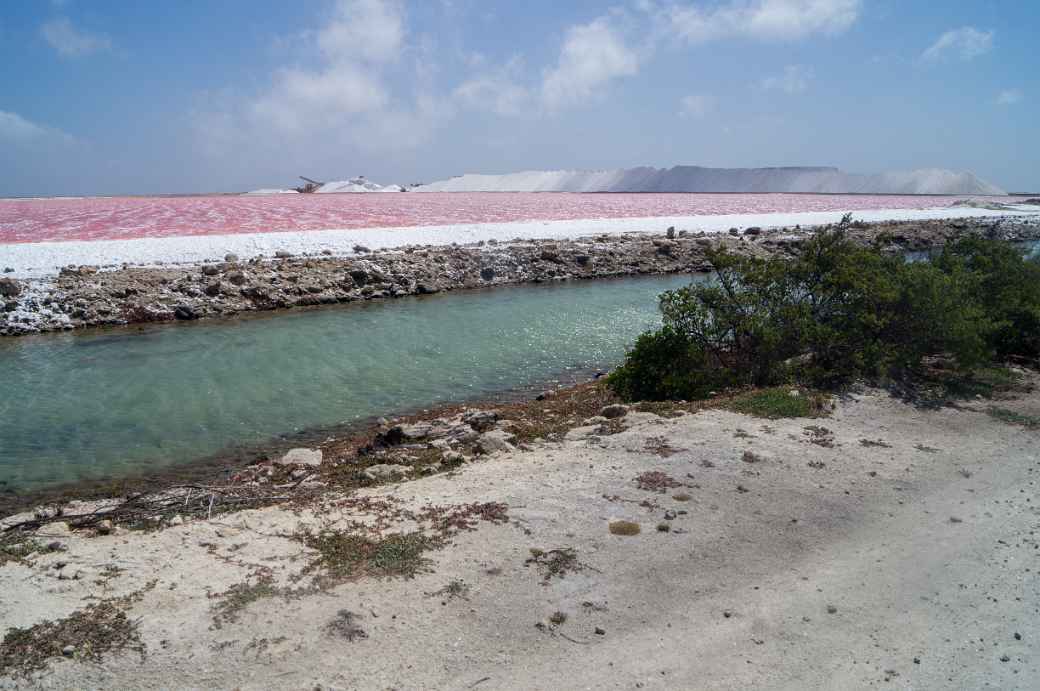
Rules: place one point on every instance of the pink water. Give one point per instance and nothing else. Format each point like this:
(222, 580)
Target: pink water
(118, 218)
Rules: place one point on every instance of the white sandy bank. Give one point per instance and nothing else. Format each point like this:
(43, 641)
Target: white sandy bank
(36, 260)
(883, 547)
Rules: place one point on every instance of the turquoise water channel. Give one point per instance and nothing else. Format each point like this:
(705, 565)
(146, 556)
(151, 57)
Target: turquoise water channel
(77, 406)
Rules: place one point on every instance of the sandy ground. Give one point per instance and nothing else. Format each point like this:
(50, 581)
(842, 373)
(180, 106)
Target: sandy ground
(825, 564)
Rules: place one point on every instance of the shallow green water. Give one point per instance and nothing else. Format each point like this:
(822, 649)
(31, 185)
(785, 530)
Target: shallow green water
(76, 406)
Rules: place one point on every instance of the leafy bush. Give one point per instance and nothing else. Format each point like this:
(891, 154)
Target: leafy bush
(836, 312)
(1007, 287)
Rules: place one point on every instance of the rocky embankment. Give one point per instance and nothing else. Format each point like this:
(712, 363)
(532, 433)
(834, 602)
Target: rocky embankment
(90, 296)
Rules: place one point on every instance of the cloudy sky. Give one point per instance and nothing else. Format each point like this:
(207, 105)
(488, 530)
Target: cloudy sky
(142, 97)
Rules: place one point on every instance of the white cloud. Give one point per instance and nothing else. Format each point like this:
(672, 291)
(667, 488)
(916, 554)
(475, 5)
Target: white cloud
(71, 42)
(359, 97)
(368, 30)
(300, 99)
(593, 54)
(965, 43)
(1009, 97)
(695, 105)
(17, 130)
(793, 80)
(783, 20)
(499, 92)
(362, 36)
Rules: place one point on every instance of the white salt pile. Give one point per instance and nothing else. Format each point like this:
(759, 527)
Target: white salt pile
(698, 179)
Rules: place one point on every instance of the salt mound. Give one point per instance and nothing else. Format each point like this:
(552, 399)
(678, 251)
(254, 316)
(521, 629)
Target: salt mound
(272, 191)
(699, 179)
(358, 184)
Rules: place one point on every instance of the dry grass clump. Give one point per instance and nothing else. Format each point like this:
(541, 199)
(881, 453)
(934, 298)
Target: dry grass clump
(345, 625)
(624, 528)
(91, 633)
(456, 588)
(555, 563)
(656, 481)
(660, 447)
(17, 549)
(233, 601)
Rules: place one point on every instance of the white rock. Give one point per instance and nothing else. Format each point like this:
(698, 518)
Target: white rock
(496, 440)
(56, 529)
(454, 457)
(301, 457)
(386, 471)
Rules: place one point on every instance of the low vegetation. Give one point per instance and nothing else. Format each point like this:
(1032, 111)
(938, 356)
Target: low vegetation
(624, 528)
(92, 633)
(17, 548)
(837, 312)
(231, 603)
(345, 626)
(555, 563)
(778, 402)
(1031, 422)
(344, 556)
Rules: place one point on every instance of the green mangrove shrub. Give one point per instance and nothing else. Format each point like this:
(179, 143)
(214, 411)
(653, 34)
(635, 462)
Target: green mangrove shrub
(835, 312)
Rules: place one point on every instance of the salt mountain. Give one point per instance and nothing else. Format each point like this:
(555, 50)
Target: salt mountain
(698, 179)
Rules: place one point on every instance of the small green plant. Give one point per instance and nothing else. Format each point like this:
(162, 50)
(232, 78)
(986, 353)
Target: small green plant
(1030, 422)
(778, 403)
(345, 555)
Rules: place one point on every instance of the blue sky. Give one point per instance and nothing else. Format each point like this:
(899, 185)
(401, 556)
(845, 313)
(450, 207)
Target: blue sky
(121, 97)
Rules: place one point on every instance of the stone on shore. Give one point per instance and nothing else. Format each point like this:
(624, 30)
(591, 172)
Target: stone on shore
(614, 410)
(496, 440)
(311, 457)
(386, 471)
(10, 288)
(481, 420)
